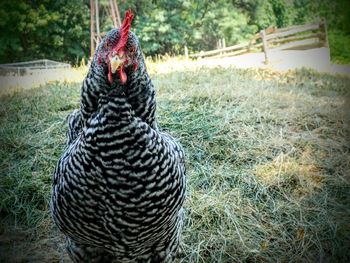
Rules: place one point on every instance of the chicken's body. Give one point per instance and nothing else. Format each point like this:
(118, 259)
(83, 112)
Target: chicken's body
(119, 187)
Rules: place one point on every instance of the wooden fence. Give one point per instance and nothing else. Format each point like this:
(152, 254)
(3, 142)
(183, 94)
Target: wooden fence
(30, 67)
(294, 37)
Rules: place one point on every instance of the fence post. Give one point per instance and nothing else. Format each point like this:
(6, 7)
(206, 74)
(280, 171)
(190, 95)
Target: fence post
(186, 53)
(324, 38)
(92, 31)
(265, 46)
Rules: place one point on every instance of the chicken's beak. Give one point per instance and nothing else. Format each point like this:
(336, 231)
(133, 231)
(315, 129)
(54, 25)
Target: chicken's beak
(116, 63)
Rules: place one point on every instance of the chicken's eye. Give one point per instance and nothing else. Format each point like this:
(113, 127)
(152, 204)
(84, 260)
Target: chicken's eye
(132, 49)
(107, 44)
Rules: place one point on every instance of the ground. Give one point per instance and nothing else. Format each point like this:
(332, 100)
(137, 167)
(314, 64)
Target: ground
(17, 244)
(267, 158)
(283, 60)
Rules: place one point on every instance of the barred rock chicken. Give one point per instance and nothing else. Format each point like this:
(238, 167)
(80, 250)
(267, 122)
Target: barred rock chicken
(119, 187)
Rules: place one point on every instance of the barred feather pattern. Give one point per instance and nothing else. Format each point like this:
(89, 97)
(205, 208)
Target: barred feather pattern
(119, 188)
(74, 126)
(139, 87)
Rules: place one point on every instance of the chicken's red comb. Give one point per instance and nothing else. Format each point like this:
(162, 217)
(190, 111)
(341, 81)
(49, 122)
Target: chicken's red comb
(124, 31)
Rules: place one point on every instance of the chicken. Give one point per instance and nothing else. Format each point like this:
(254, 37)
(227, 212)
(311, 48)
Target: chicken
(119, 187)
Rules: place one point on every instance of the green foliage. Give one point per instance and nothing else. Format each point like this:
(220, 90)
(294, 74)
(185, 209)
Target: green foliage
(60, 29)
(43, 29)
(280, 12)
(161, 27)
(263, 15)
(339, 43)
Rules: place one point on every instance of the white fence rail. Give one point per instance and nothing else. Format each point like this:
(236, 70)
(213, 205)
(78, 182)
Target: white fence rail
(31, 67)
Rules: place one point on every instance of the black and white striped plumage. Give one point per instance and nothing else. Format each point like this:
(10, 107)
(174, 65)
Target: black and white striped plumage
(119, 187)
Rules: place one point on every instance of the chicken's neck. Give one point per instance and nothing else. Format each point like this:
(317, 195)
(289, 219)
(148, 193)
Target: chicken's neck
(141, 95)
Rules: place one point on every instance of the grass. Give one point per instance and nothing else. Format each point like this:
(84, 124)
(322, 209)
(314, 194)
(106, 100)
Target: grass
(267, 155)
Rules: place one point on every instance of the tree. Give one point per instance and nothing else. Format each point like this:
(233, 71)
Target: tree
(59, 29)
(43, 29)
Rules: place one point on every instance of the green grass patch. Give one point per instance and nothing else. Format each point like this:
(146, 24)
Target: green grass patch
(267, 157)
(31, 138)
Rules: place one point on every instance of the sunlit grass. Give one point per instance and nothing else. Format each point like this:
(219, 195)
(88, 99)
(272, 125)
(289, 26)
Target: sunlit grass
(267, 157)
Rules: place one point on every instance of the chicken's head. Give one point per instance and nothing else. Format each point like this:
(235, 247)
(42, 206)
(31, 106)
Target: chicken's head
(118, 51)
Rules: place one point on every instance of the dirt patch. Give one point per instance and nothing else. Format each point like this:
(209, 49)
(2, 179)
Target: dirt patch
(283, 60)
(20, 245)
(12, 82)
